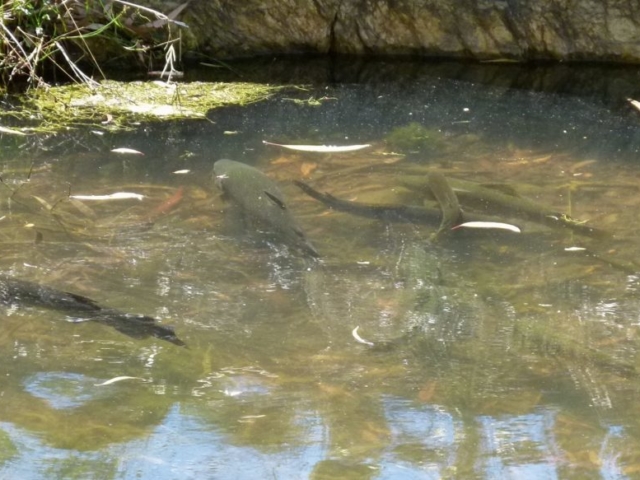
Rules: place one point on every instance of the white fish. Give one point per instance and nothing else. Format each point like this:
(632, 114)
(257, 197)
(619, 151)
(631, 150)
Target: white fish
(111, 196)
(490, 225)
(116, 379)
(359, 339)
(182, 172)
(574, 249)
(125, 150)
(320, 148)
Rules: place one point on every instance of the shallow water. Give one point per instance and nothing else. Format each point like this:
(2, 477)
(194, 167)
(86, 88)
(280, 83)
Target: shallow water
(496, 355)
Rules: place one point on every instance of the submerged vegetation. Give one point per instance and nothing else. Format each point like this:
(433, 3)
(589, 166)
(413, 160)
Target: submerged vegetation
(113, 105)
(416, 139)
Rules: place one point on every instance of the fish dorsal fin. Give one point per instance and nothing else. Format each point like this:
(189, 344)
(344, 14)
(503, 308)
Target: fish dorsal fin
(276, 200)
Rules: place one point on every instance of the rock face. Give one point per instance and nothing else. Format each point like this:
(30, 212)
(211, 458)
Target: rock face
(602, 30)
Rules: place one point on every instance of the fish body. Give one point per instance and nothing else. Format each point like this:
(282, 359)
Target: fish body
(25, 293)
(390, 213)
(260, 198)
(495, 201)
(448, 201)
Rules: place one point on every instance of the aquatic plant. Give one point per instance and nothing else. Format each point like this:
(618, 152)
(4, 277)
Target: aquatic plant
(415, 138)
(41, 39)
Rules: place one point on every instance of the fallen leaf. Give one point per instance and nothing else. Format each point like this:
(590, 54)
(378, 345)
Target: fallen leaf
(169, 203)
(11, 131)
(43, 202)
(633, 102)
(112, 196)
(359, 339)
(319, 148)
(117, 379)
(488, 225)
(307, 168)
(126, 151)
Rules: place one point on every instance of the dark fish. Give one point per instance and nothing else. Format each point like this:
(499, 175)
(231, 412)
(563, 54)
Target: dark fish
(391, 213)
(24, 293)
(448, 201)
(260, 198)
(428, 215)
(499, 201)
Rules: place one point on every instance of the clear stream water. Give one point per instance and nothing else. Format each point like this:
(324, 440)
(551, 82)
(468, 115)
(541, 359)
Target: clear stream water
(498, 355)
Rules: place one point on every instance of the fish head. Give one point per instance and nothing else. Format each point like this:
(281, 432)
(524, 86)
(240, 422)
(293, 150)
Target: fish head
(220, 172)
(167, 333)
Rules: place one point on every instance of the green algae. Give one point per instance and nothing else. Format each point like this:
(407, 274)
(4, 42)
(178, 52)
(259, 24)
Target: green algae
(115, 105)
(416, 139)
(8, 449)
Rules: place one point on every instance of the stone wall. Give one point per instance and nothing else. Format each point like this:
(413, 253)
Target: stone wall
(581, 30)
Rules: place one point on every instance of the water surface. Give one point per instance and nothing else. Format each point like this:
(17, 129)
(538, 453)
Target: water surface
(498, 355)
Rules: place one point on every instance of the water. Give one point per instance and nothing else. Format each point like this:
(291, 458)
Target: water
(497, 355)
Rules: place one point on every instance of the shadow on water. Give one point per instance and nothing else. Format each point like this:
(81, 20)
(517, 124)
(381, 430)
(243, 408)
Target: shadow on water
(495, 354)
